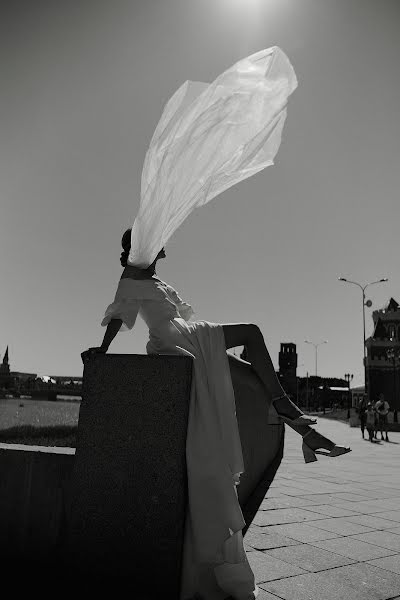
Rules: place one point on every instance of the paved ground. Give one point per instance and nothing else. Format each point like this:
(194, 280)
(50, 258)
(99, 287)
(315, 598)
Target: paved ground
(330, 530)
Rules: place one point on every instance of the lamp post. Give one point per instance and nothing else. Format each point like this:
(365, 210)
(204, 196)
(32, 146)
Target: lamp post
(364, 304)
(297, 384)
(394, 354)
(316, 352)
(348, 377)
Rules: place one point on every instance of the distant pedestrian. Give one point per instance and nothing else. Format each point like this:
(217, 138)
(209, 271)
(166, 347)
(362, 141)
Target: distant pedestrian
(362, 415)
(382, 408)
(370, 421)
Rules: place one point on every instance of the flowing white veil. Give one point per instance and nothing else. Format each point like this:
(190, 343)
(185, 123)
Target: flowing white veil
(210, 137)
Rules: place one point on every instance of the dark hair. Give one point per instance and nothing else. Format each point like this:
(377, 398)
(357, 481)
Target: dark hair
(126, 244)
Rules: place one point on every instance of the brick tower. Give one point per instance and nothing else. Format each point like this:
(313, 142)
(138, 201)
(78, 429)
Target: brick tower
(288, 368)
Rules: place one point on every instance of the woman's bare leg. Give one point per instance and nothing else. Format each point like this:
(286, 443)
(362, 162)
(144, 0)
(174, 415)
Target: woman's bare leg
(250, 336)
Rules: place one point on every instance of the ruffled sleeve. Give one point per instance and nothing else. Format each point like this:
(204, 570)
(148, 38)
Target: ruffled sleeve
(184, 309)
(126, 306)
(125, 309)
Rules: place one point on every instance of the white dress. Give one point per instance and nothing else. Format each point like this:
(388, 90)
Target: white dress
(214, 561)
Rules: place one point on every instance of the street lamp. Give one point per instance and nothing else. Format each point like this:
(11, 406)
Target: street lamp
(365, 303)
(297, 384)
(348, 377)
(316, 352)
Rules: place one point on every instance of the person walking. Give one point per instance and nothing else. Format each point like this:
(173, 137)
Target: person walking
(382, 409)
(370, 421)
(362, 415)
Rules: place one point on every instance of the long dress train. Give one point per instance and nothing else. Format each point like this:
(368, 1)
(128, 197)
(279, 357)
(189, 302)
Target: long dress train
(214, 561)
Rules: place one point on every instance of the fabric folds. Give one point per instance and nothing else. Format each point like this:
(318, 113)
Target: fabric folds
(210, 137)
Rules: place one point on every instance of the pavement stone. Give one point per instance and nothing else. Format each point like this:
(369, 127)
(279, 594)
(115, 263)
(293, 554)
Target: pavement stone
(350, 547)
(350, 497)
(267, 568)
(373, 520)
(303, 532)
(266, 541)
(285, 502)
(364, 507)
(393, 515)
(341, 526)
(264, 595)
(360, 581)
(333, 511)
(385, 539)
(391, 563)
(309, 557)
(284, 515)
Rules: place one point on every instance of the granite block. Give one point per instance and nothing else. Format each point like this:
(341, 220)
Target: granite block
(128, 494)
(32, 485)
(127, 502)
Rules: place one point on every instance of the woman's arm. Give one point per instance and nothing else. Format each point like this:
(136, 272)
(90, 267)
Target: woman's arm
(112, 329)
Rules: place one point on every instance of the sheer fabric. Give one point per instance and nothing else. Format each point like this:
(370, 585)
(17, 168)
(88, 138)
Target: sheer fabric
(210, 137)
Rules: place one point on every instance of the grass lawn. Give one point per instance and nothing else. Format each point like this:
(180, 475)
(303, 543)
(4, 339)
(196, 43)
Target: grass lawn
(38, 422)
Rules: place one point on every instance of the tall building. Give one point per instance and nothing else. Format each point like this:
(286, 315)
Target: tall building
(383, 355)
(312, 392)
(288, 367)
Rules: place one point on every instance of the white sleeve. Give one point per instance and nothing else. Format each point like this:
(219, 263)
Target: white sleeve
(125, 309)
(184, 309)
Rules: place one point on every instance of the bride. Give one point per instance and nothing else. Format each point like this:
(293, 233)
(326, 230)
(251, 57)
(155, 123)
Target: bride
(209, 137)
(214, 561)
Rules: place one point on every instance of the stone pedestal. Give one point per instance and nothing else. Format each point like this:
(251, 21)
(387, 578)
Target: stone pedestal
(128, 494)
(127, 501)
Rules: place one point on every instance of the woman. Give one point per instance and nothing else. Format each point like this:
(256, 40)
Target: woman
(214, 562)
(370, 421)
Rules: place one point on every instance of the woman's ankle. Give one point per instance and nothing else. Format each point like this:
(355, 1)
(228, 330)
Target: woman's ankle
(286, 408)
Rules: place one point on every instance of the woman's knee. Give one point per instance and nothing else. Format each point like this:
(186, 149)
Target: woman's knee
(254, 335)
(242, 334)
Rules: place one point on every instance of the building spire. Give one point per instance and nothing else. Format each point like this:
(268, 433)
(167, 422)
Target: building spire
(5, 359)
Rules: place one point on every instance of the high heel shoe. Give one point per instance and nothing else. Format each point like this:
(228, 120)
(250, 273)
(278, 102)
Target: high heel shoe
(310, 453)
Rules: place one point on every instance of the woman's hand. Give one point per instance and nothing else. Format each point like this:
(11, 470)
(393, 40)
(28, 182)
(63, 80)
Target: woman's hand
(90, 352)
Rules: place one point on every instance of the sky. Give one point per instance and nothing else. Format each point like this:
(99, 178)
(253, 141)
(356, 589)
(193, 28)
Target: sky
(84, 85)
